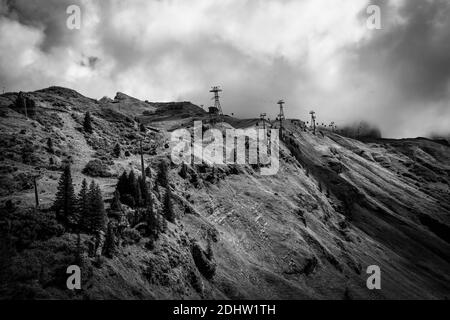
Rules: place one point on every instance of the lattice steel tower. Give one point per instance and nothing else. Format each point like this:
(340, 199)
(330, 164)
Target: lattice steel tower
(216, 90)
(313, 120)
(281, 115)
(262, 116)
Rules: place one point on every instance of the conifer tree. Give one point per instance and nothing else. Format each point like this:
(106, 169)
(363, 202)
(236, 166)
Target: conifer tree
(50, 148)
(87, 123)
(145, 195)
(97, 213)
(116, 205)
(169, 214)
(122, 185)
(148, 172)
(83, 206)
(90, 201)
(183, 171)
(27, 151)
(162, 178)
(151, 218)
(65, 202)
(195, 179)
(133, 188)
(79, 257)
(131, 183)
(110, 247)
(117, 150)
(138, 195)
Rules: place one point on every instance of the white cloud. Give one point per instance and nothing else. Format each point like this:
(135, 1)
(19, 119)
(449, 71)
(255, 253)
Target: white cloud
(307, 52)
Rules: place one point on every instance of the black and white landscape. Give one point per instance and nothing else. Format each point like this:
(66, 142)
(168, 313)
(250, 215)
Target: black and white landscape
(88, 177)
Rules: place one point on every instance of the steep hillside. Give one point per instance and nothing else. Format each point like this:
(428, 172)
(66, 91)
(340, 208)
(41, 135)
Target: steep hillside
(335, 207)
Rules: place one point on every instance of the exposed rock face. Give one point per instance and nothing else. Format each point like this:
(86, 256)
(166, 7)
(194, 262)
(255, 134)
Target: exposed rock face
(336, 206)
(122, 96)
(105, 100)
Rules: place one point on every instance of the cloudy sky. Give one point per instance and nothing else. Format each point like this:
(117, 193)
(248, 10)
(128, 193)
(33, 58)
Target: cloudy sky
(315, 54)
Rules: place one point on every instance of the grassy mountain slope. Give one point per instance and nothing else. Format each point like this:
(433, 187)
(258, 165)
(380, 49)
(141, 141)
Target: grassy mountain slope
(336, 206)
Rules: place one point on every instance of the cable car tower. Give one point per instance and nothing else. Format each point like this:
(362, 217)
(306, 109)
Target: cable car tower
(216, 90)
(281, 115)
(313, 120)
(262, 117)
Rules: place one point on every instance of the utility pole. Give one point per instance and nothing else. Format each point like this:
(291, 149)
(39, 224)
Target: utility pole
(24, 101)
(313, 120)
(36, 197)
(281, 115)
(142, 160)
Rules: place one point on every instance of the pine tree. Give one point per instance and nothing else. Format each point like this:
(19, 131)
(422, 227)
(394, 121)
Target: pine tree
(97, 213)
(117, 150)
(110, 247)
(128, 199)
(87, 123)
(79, 255)
(183, 171)
(138, 195)
(65, 202)
(162, 178)
(145, 195)
(169, 214)
(116, 205)
(148, 172)
(27, 151)
(122, 185)
(50, 148)
(133, 189)
(90, 201)
(83, 206)
(195, 180)
(131, 183)
(151, 218)
(142, 127)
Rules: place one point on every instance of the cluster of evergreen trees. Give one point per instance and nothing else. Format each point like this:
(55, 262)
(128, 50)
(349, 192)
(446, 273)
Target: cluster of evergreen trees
(87, 123)
(85, 212)
(162, 179)
(133, 191)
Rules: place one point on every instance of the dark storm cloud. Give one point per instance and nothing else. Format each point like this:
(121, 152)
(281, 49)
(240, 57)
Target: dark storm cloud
(90, 62)
(414, 54)
(312, 53)
(49, 16)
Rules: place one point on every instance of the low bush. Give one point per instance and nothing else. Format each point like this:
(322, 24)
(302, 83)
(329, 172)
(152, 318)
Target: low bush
(131, 236)
(23, 227)
(206, 267)
(97, 168)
